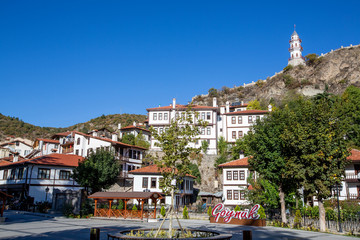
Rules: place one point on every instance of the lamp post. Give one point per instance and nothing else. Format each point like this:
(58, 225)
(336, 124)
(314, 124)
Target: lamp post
(338, 206)
(46, 190)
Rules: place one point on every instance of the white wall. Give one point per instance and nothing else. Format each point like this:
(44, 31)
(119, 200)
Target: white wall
(238, 185)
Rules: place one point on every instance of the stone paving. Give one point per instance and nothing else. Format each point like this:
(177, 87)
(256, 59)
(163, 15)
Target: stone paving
(31, 227)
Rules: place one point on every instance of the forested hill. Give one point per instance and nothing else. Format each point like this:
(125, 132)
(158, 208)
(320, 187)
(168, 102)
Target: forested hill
(334, 71)
(18, 128)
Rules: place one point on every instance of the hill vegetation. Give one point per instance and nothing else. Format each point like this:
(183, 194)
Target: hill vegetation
(18, 128)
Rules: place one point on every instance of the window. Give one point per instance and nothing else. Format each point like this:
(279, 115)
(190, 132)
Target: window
(240, 133)
(78, 141)
(64, 175)
(161, 130)
(20, 173)
(242, 195)
(145, 182)
(77, 152)
(17, 143)
(229, 194)
(240, 120)
(233, 134)
(154, 116)
(12, 174)
(202, 131)
(160, 116)
(236, 194)
(165, 116)
(228, 175)
(44, 173)
(235, 175)
(208, 115)
(5, 175)
(257, 118)
(208, 131)
(233, 120)
(191, 185)
(153, 182)
(250, 119)
(242, 175)
(203, 116)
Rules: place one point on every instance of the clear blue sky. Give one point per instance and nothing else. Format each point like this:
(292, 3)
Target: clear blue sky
(65, 62)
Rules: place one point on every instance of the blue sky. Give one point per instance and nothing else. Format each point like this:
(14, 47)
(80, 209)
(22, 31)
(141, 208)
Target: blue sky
(65, 62)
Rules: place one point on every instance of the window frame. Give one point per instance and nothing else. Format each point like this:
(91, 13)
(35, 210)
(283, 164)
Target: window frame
(250, 120)
(233, 133)
(239, 119)
(64, 175)
(240, 134)
(242, 175)
(236, 194)
(233, 120)
(160, 117)
(235, 173)
(208, 131)
(153, 180)
(208, 115)
(154, 116)
(41, 173)
(166, 116)
(145, 182)
(229, 194)
(20, 171)
(5, 174)
(229, 175)
(242, 195)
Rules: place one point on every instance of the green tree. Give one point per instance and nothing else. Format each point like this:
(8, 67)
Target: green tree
(263, 192)
(255, 104)
(140, 141)
(176, 144)
(163, 211)
(99, 171)
(316, 149)
(239, 147)
(209, 211)
(204, 146)
(213, 92)
(185, 213)
(194, 170)
(128, 139)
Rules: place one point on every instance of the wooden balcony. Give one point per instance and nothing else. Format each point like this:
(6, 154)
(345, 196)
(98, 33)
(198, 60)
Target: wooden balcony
(352, 177)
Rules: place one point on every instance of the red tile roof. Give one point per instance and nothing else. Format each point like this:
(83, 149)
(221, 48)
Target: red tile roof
(152, 169)
(355, 155)
(243, 162)
(134, 127)
(247, 112)
(48, 140)
(183, 107)
(54, 159)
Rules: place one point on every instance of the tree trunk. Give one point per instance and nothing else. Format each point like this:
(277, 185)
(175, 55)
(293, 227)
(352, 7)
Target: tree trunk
(321, 216)
(282, 204)
(171, 213)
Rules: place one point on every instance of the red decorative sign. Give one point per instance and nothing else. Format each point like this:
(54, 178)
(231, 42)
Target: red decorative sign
(221, 211)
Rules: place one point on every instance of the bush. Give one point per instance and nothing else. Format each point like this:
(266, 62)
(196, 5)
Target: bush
(290, 82)
(185, 213)
(260, 83)
(297, 220)
(288, 68)
(209, 211)
(261, 212)
(120, 205)
(68, 209)
(44, 206)
(87, 207)
(305, 82)
(237, 208)
(134, 207)
(330, 214)
(163, 211)
(313, 59)
(213, 92)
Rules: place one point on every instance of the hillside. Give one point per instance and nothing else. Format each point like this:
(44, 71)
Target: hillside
(335, 70)
(18, 128)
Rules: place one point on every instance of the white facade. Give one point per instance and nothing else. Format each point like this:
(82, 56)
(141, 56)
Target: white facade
(43, 146)
(150, 182)
(18, 146)
(295, 50)
(235, 174)
(39, 177)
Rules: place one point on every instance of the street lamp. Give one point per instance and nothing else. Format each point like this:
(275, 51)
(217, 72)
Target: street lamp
(46, 190)
(338, 203)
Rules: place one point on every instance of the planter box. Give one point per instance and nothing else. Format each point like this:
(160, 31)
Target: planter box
(246, 222)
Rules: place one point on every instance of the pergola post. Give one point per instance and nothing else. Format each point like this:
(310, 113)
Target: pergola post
(95, 210)
(110, 201)
(142, 208)
(155, 200)
(125, 200)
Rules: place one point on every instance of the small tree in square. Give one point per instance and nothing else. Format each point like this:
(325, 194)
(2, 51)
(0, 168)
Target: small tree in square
(177, 143)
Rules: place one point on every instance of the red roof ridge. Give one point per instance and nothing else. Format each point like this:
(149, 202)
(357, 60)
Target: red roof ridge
(237, 162)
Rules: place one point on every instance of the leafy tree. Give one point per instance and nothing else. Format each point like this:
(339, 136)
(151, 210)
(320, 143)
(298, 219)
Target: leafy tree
(204, 146)
(316, 149)
(238, 148)
(312, 59)
(237, 208)
(213, 92)
(140, 141)
(261, 213)
(194, 170)
(176, 144)
(254, 104)
(264, 193)
(223, 146)
(209, 211)
(185, 213)
(99, 171)
(163, 211)
(128, 139)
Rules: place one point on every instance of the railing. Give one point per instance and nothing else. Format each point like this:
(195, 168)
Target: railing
(104, 212)
(351, 176)
(353, 197)
(67, 150)
(291, 48)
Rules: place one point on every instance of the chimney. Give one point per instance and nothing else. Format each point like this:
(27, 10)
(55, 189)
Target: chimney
(270, 108)
(242, 102)
(214, 102)
(174, 103)
(114, 137)
(94, 133)
(119, 126)
(16, 157)
(222, 110)
(241, 155)
(134, 124)
(227, 106)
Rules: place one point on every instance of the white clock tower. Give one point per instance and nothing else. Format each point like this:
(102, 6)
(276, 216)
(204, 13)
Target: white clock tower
(295, 50)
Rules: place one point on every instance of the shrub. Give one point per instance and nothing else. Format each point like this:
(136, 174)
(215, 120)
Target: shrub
(163, 211)
(288, 68)
(120, 205)
(305, 82)
(297, 220)
(260, 83)
(289, 81)
(67, 209)
(209, 211)
(261, 212)
(237, 208)
(317, 86)
(134, 207)
(213, 92)
(313, 59)
(330, 214)
(87, 207)
(185, 213)
(343, 81)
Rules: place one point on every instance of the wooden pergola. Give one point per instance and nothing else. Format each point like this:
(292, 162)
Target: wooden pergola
(125, 196)
(3, 197)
